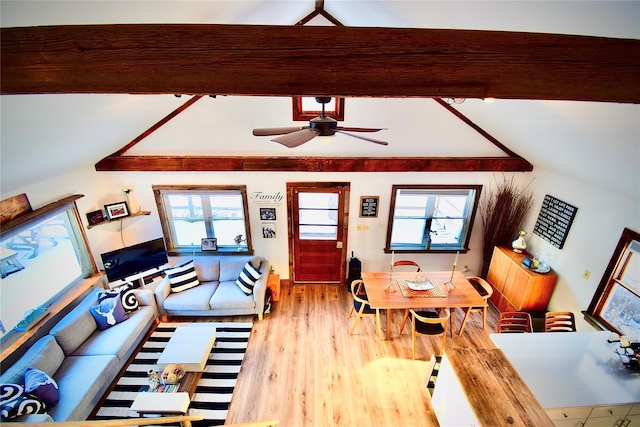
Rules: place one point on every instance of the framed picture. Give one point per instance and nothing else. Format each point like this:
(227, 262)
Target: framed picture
(209, 244)
(117, 210)
(369, 206)
(268, 214)
(269, 230)
(96, 217)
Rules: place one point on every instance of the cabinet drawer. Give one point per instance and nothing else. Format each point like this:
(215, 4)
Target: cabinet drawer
(580, 413)
(610, 411)
(501, 303)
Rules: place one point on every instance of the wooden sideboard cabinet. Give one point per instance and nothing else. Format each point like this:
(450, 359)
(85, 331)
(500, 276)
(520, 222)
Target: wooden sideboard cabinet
(515, 287)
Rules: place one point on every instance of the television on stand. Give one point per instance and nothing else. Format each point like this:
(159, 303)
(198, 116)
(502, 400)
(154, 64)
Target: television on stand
(128, 264)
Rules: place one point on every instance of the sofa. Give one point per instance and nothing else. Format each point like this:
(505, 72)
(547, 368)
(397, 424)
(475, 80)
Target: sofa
(214, 290)
(82, 359)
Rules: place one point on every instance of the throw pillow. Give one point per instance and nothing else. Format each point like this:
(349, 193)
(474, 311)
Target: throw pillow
(248, 278)
(126, 294)
(183, 277)
(42, 386)
(14, 402)
(108, 313)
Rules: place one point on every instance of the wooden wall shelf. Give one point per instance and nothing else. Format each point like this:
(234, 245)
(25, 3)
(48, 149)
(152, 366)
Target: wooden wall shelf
(120, 219)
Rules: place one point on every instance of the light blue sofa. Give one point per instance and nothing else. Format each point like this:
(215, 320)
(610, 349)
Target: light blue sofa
(83, 360)
(217, 294)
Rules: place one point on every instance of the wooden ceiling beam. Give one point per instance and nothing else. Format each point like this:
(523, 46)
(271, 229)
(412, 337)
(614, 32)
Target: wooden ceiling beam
(343, 61)
(312, 164)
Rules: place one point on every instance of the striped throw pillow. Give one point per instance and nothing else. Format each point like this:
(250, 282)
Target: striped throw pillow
(248, 278)
(183, 277)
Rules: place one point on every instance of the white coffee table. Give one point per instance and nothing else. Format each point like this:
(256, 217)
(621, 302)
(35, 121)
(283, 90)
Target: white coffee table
(190, 345)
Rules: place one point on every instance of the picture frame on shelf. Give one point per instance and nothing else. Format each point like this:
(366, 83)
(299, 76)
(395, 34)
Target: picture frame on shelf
(96, 217)
(209, 244)
(117, 210)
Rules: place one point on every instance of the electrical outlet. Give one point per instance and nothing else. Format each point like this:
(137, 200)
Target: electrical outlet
(586, 275)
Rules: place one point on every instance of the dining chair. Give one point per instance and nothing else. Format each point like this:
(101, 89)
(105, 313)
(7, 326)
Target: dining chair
(406, 263)
(429, 322)
(559, 321)
(361, 305)
(514, 322)
(485, 290)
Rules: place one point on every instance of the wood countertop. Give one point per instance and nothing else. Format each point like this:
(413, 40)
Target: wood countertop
(495, 391)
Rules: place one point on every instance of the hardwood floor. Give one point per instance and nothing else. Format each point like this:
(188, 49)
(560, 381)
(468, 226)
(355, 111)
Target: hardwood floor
(303, 368)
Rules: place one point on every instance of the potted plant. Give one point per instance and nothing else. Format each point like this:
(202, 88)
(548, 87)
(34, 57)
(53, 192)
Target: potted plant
(502, 211)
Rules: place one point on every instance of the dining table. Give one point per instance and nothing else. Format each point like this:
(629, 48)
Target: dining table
(393, 290)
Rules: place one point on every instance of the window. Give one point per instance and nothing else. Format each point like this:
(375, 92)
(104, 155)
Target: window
(191, 213)
(41, 258)
(425, 218)
(306, 108)
(318, 216)
(616, 302)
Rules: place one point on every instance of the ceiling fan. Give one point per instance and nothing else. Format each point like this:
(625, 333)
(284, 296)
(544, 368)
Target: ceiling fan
(322, 125)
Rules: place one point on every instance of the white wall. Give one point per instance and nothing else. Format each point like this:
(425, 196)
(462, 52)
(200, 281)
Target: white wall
(600, 219)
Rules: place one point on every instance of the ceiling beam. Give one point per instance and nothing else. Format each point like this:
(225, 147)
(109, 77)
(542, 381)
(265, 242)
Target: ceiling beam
(312, 164)
(317, 60)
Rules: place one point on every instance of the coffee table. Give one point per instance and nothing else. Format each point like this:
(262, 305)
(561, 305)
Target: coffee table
(190, 346)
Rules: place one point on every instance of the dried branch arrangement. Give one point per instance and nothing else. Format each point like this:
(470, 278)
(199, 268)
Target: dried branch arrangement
(502, 211)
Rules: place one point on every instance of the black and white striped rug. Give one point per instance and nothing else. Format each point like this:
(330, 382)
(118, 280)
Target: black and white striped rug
(215, 388)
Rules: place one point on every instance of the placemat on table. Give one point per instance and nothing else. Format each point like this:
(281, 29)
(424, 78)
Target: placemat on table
(436, 291)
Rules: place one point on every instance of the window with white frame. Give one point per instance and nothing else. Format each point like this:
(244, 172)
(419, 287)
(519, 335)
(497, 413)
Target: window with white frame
(430, 218)
(190, 213)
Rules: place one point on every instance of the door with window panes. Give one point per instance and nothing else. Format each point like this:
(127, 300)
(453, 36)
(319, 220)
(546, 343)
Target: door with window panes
(318, 231)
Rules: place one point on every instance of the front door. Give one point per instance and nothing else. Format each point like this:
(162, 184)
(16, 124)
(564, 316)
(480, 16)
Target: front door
(318, 228)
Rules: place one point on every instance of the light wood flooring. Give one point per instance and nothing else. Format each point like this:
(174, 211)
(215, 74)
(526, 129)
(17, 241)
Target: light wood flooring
(303, 368)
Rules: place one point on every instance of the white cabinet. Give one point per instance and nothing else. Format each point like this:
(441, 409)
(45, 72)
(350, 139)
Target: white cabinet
(598, 416)
(569, 417)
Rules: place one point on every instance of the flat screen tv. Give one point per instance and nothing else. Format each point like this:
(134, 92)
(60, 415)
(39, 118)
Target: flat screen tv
(126, 262)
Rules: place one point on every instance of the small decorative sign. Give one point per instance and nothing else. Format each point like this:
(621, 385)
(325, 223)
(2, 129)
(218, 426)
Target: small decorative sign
(554, 220)
(369, 206)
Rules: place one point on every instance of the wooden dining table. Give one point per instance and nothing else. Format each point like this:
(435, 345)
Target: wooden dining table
(385, 296)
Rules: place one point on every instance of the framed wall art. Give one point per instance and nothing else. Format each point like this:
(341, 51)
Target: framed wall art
(269, 230)
(116, 210)
(268, 214)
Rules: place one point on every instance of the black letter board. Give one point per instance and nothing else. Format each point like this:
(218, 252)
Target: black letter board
(554, 221)
(369, 206)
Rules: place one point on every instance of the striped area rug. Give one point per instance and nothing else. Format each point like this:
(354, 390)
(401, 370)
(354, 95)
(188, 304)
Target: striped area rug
(215, 388)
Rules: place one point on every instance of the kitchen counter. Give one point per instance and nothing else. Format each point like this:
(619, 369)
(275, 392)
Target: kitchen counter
(479, 387)
(570, 369)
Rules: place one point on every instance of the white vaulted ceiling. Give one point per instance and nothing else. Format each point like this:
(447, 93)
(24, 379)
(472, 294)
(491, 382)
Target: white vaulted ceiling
(599, 143)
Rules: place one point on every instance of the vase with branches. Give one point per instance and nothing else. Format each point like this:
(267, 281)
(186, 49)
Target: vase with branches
(502, 211)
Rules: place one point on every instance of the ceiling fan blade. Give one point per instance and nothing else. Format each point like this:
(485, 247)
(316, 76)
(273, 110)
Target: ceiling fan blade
(277, 131)
(350, 129)
(376, 141)
(297, 138)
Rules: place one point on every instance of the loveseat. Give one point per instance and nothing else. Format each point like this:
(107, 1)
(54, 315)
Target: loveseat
(82, 359)
(212, 290)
